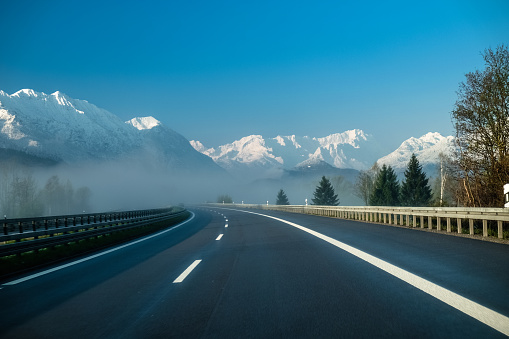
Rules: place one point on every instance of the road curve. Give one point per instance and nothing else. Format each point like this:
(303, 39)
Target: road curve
(228, 273)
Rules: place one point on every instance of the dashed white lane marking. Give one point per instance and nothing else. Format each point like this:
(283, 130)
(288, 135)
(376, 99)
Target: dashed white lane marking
(485, 315)
(33, 276)
(186, 272)
(219, 237)
(226, 225)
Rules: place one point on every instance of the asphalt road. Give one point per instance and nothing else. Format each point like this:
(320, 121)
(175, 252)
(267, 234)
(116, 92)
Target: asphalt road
(260, 277)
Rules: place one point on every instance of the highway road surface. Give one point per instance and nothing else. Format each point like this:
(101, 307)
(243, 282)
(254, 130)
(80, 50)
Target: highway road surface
(263, 274)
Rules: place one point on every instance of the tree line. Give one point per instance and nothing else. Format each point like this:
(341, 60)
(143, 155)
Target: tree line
(477, 172)
(378, 187)
(21, 196)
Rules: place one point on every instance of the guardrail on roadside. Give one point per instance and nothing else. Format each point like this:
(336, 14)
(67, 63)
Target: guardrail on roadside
(28, 234)
(440, 218)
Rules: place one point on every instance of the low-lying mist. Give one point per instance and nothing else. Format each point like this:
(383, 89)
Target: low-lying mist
(132, 184)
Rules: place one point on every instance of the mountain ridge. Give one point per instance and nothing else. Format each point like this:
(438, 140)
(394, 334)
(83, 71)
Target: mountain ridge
(352, 149)
(68, 130)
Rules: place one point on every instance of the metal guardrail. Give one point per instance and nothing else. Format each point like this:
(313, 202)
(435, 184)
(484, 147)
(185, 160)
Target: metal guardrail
(29, 234)
(438, 218)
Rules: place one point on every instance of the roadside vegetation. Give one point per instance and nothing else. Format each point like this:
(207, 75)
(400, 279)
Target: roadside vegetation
(281, 198)
(21, 195)
(224, 199)
(476, 175)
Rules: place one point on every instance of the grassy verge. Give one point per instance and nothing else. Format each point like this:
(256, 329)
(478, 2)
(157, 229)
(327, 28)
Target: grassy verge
(18, 263)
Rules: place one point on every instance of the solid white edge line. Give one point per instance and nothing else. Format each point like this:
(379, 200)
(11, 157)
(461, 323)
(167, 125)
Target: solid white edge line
(219, 237)
(33, 276)
(188, 270)
(483, 314)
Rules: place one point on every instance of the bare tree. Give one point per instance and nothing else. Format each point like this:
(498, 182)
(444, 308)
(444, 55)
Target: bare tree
(365, 183)
(481, 119)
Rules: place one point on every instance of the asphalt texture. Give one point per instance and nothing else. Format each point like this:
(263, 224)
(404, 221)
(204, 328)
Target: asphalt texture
(263, 279)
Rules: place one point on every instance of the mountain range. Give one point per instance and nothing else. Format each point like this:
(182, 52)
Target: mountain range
(353, 149)
(66, 130)
(142, 156)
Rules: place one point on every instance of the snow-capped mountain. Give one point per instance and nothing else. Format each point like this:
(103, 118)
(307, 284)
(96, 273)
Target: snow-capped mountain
(427, 149)
(351, 149)
(73, 131)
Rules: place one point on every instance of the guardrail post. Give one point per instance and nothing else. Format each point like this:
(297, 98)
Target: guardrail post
(484, 228)
(20, 227)
(460, 230)
(449, 225)
(439, 224)
(65, 222)
(430, 223)
(500, 229)
(46, 224)
(421, 219)
(414, 221)
(471, 226)
(34, 227)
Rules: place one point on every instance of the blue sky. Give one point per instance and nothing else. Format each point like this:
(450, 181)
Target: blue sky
(215, 71)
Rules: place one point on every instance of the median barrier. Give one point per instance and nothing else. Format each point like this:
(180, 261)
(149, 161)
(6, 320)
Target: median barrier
(30, 234)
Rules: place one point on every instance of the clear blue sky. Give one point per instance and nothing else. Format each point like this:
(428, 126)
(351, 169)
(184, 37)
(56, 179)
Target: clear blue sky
(219, 70)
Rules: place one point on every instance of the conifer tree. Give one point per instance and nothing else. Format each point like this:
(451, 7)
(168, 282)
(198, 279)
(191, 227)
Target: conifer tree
(386, 190)
(282, 199)
(415, 190)
(324, 194)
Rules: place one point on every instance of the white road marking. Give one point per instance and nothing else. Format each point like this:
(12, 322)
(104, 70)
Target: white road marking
(226, 225)
(186, 272)
(219, 237)
(485, 315)
(33, 276)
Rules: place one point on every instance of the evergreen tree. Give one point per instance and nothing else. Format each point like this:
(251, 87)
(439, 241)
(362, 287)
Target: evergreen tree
(282, 199)
(386, 190)
(415, 190)
(324, 194)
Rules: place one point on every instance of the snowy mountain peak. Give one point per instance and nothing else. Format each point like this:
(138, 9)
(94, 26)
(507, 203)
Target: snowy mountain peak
(427, 149)
(432, 137)
(27, 93)
(68, 130)
(143, 123)
(350, 137)
(290, 138)
(280, 140)
(350, 149)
